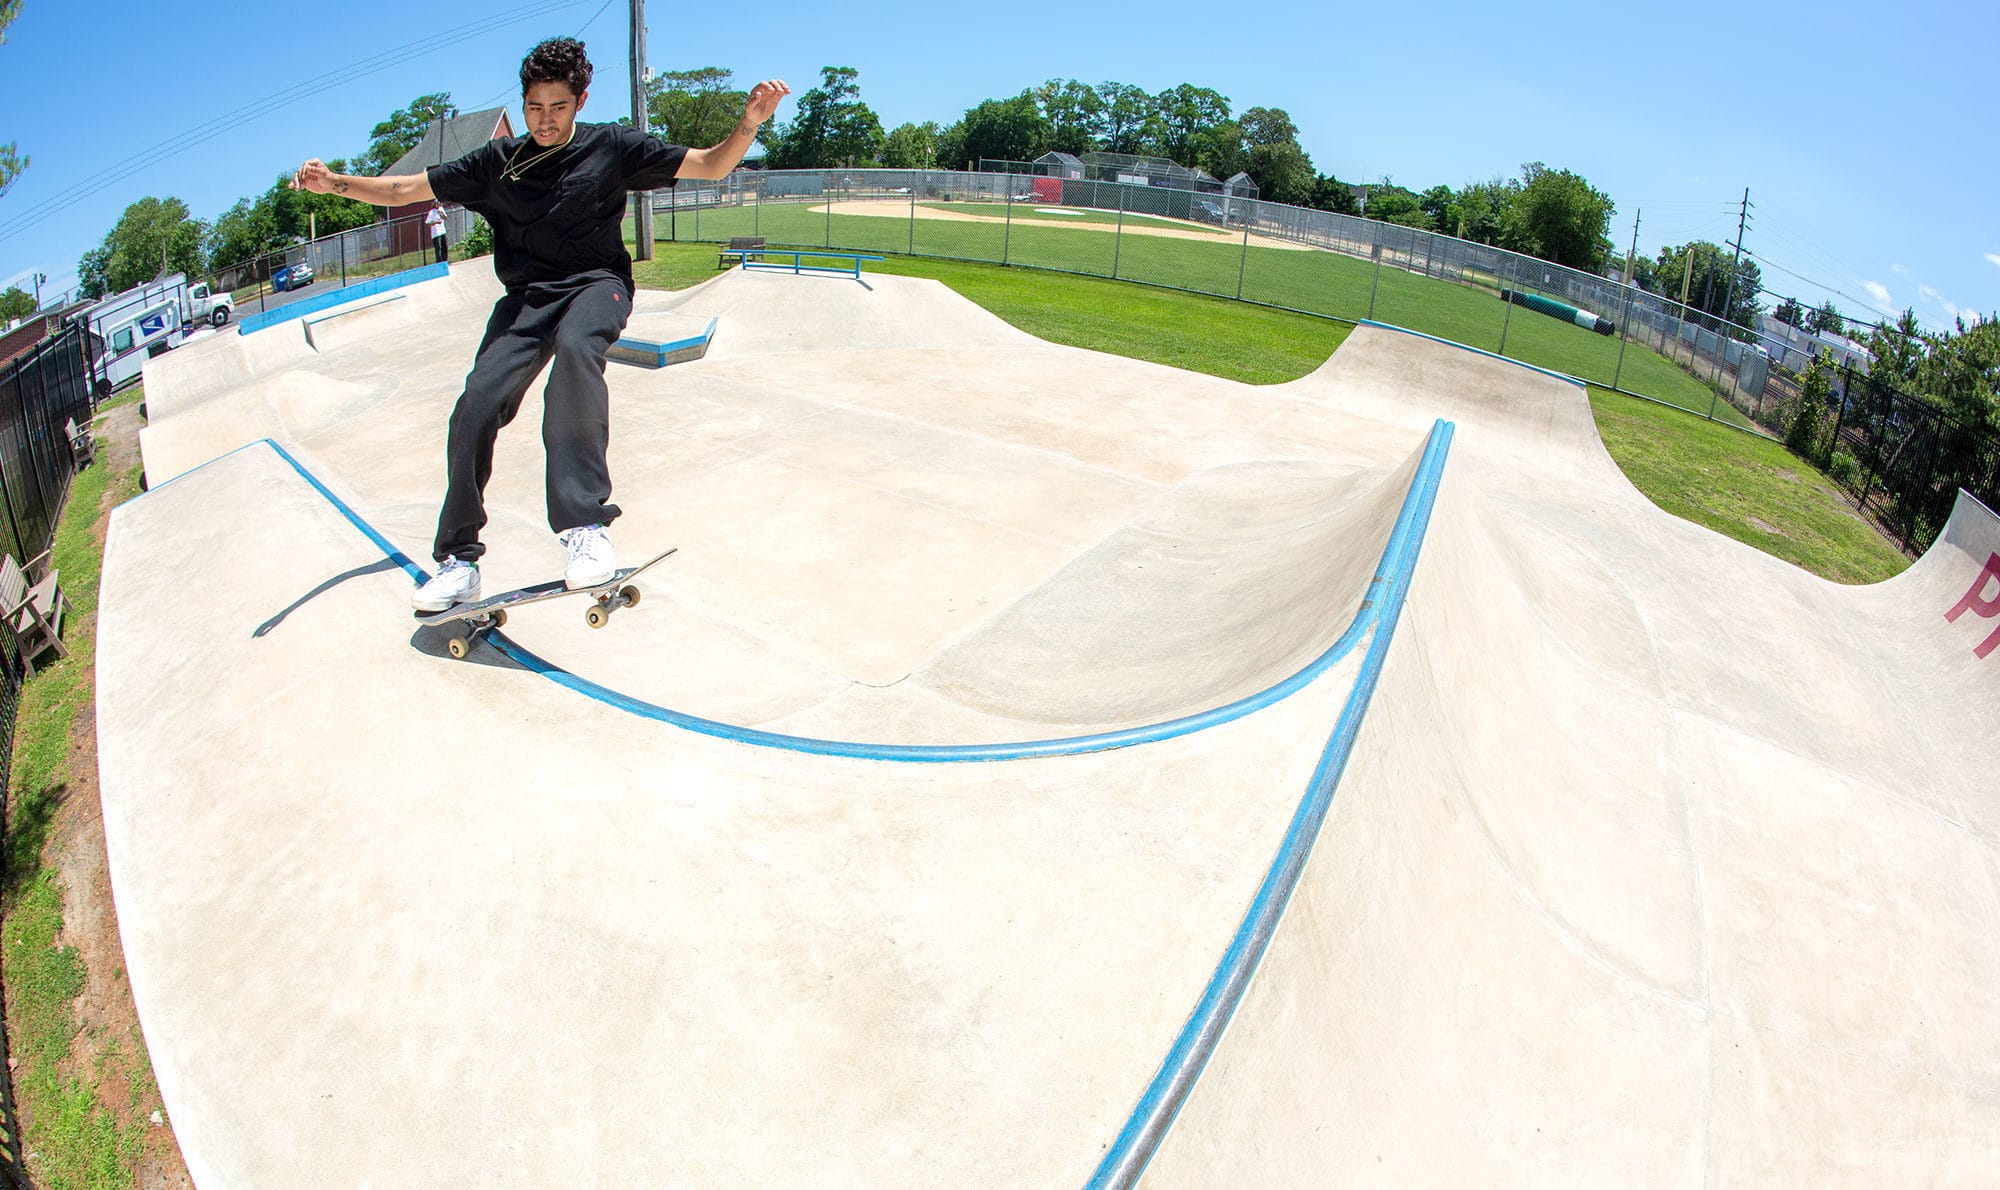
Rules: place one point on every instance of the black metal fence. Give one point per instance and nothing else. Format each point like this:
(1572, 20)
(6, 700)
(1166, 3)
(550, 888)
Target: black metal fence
(1904, 458)
(39, 393)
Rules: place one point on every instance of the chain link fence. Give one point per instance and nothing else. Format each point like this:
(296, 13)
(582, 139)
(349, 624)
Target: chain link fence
(353, 255)
(1317, 262)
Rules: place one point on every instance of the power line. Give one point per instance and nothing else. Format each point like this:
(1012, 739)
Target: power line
(505, 92)
(229, 121)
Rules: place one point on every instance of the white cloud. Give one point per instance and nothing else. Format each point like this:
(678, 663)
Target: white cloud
(1880, 293)
(1952, 310)
(1994, 258)
(1901, 271)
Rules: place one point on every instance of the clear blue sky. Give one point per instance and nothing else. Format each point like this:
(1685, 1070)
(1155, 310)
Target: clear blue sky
(1864, 133)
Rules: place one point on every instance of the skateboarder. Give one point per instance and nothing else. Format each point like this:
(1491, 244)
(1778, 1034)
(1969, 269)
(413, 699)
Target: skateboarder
(556, 201)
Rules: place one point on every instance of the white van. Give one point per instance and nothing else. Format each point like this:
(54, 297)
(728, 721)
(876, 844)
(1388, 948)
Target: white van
(132, 327)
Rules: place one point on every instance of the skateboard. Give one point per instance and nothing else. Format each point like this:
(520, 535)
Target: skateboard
(483, 615)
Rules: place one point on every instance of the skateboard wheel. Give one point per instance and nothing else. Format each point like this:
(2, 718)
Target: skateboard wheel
(499, 617)
(458, 647)
(596, 616)
(630, 595)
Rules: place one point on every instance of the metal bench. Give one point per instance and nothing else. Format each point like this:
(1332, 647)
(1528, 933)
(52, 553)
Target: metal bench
(797, 266)
(739, 244)
(34, 611)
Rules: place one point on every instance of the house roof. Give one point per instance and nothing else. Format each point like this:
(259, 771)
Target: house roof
(459, 135)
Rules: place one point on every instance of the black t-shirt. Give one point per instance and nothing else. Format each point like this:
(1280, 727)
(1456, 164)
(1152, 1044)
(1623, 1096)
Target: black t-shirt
(563, 215)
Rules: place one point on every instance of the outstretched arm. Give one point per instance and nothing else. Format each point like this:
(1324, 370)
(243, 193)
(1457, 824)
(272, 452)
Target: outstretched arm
(717, 160)
(382, 192)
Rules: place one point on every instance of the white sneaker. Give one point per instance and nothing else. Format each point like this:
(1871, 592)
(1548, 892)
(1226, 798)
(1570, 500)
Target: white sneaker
(591, 561)
(457, 581)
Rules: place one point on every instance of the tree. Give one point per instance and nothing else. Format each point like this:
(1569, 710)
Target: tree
(16, 303)
(1441, 205)
(1220, 150)
(1826, 320)
(1187, 115)
(402, 131)
(1073, 112)
(1790, 313)
(1560, 217)
(1481, 209)
(1275, 161)
(1803, 428)
(1004, 130)
(831, 128)
(911, 146)
(153, 237)
(694, 107)
(1711, 299)
(11, 162)
(1130, 119)
(1898, 352)
(1331, 194)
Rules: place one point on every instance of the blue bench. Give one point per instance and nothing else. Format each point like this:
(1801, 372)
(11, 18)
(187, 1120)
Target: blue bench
(852, 269)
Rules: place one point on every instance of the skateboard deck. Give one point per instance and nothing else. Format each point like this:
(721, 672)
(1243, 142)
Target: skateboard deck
(483, 615)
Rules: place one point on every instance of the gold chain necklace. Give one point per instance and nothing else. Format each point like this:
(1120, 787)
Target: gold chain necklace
(513, 172)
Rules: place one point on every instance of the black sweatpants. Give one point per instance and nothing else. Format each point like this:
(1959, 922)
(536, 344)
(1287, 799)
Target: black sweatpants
(438, 242)
(574, 323)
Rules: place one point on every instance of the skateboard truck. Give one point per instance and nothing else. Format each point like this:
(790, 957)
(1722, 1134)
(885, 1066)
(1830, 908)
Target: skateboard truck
(481, 616)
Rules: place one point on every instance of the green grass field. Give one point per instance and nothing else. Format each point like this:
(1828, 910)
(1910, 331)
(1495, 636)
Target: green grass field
(1315, 282)
(1738, 484)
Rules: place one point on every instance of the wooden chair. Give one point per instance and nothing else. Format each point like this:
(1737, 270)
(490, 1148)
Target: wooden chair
(34, 611)
(81, 444)
(738, 244)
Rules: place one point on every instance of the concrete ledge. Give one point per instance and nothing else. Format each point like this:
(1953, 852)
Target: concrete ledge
(340, 297)
(312, 321)
(654, 343)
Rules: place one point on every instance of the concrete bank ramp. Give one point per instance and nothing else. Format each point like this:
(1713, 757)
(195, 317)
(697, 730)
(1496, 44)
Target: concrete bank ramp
(1655, 861)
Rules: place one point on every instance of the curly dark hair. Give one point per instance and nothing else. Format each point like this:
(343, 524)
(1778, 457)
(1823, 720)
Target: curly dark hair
(557, 60)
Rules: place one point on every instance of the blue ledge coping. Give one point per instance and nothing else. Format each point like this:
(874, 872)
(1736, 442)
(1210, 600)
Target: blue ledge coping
(1124, 1163)
(1403, 330)
(335, 297)
(663, 350)
(1398, 559)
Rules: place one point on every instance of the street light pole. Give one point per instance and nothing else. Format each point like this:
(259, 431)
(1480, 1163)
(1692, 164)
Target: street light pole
(642, 222)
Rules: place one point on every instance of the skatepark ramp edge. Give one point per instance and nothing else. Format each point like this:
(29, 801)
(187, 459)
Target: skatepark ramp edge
(1397, 561)
(1125, 1162)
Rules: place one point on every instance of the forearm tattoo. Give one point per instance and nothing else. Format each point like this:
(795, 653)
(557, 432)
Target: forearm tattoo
(340, 186)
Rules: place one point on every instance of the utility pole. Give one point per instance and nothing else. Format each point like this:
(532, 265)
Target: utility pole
(642, 222)
(1742, 218)
(1634, 249)
(39, 278)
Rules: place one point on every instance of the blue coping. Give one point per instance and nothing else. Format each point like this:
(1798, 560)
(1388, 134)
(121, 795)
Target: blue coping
(743, 256)
(1126, 1160)
(1403, 330)
(663, 350)
(1398, 556)
(335, 297)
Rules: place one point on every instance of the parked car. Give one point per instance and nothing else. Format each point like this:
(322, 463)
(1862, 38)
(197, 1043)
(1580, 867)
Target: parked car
(1208, 212)
(292, 276)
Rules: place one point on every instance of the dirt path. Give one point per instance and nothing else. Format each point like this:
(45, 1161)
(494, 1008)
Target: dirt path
(882, 210)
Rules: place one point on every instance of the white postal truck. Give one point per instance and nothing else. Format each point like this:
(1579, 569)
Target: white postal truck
(130, 328)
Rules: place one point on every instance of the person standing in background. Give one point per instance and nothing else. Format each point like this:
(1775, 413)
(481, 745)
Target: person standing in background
(435, 221)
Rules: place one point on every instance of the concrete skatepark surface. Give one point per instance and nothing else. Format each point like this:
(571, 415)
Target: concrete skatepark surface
(1655, 861)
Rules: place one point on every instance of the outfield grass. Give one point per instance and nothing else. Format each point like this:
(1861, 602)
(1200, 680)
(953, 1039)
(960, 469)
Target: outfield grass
(1316, 282)
(1708, 473)
(1742, 486)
